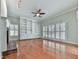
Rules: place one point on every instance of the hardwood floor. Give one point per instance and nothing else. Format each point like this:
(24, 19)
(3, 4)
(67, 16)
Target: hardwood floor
(43, 49)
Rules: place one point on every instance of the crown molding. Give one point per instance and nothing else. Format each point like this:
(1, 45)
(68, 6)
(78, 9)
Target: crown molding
(61, 13)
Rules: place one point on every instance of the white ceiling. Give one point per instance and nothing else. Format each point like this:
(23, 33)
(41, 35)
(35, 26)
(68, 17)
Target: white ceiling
(50, 7)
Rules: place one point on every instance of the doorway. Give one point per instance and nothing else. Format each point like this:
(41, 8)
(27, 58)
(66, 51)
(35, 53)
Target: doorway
(12, 35)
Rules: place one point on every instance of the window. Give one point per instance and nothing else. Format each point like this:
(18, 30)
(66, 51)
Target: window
(53, 31)
(63, 32)
(16, 30)
(44, 31)
(56, 31)
(60, 31)
(13, 30)
(49, 31)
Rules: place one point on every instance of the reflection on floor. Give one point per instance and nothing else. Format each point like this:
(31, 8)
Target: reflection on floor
(43, 49)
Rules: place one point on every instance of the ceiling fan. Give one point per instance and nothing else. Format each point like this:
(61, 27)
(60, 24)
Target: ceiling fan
(38, 13)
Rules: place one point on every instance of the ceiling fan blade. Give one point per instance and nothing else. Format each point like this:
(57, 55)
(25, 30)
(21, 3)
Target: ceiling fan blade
(34, 16)
(42, 13)
(34, 13)
(39, 10)
(40, 16)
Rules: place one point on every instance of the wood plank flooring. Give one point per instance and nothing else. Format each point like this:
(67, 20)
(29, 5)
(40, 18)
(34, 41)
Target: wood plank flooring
(43, 49)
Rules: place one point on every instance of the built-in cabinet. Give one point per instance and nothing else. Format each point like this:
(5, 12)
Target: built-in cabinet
(29, 28)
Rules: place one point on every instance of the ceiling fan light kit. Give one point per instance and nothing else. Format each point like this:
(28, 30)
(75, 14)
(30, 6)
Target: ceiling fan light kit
(37, 14)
